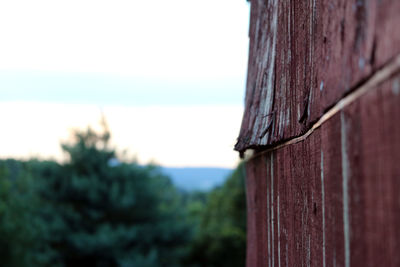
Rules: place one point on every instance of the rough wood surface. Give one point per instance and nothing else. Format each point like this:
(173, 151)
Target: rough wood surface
(322, 114)
(305, 56)
(333, 198)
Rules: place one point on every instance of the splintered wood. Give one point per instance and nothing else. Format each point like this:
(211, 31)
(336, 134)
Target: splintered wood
(305, 56)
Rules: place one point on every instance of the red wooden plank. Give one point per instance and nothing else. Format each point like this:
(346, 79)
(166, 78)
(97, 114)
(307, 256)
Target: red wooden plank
(305, 55)
(331, 199)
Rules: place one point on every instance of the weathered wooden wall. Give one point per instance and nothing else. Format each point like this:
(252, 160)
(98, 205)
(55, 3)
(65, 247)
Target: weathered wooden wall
(306, 55)
(322, 119)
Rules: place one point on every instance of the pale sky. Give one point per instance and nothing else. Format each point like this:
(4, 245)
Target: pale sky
(168, 74)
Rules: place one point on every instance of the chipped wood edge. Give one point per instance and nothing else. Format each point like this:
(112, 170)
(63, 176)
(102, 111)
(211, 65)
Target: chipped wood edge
(376, 79)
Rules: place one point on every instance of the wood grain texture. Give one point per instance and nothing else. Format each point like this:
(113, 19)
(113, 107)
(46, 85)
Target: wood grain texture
(305, 56)
(333, 198)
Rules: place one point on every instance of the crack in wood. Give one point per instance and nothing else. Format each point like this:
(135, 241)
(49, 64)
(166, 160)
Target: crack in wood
(269, 124)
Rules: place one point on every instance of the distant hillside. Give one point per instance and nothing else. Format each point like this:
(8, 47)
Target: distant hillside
(202, 179)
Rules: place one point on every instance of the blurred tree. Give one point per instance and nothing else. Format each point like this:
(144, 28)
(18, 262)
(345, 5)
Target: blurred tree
(221, 237)
(21, 233)
(95, 210)
(104, 214)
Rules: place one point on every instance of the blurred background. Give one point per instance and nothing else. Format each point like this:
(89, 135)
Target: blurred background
(118, 121)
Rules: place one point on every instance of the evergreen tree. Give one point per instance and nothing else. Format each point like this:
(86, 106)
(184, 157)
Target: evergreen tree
(91, 211)
(95, 210)
(105, 214)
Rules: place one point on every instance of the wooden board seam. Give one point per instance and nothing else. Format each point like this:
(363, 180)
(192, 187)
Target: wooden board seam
(376, 79)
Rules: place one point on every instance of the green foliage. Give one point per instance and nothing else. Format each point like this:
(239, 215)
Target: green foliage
(221, 237)
(123, 215)
(95, 210)
(20, 226)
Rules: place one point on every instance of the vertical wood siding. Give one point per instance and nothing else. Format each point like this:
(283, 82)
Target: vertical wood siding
(332, 199)
(329, 196)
